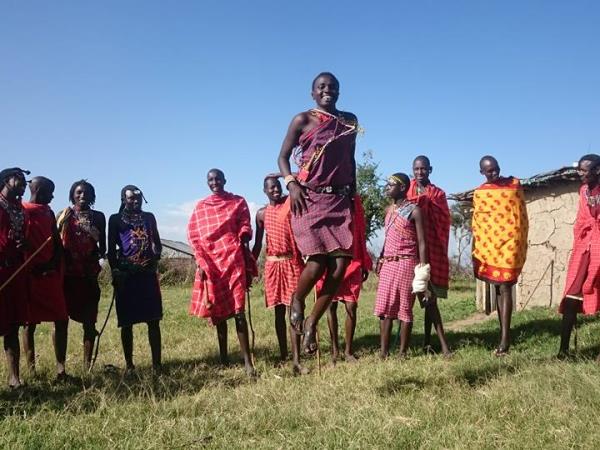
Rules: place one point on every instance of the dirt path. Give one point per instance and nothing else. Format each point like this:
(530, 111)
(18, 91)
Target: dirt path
(471, 320)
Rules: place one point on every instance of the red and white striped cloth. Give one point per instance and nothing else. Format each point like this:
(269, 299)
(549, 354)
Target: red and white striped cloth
(281, 275)
(395, 299)
(215, 232)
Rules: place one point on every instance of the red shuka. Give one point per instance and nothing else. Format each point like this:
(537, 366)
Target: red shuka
(349, 289)
(46, 295)
(281, 275)
(586, 249)
(215, 232)
(434, 205)
(14, 298)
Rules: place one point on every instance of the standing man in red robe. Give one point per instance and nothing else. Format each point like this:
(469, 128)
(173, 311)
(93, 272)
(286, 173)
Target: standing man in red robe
(219, 232)
(283, 263)
(582, 287)
(14, 295)
(46, 295)
(432, 201)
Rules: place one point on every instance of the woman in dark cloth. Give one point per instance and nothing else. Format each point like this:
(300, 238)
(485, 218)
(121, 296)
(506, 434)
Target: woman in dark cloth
(134, 249)
(83, 235)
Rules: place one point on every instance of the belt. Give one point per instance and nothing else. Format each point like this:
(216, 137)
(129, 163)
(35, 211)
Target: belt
(279, 257)
(397, 258)
(335, 190)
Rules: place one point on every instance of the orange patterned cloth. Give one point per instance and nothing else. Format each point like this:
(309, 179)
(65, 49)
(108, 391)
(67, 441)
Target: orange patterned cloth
(500, 229)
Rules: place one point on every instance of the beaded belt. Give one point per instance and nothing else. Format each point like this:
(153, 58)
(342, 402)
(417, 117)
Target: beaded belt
(279, 257)
(336, 190)
(397, 257)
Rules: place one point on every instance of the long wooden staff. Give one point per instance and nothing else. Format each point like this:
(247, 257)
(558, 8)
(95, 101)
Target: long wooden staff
(112, 302)
(317, 336)
(27, 261)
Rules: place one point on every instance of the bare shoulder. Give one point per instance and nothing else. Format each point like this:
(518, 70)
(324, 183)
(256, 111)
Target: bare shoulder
(300, 121)
(348, 116)
(260, 214)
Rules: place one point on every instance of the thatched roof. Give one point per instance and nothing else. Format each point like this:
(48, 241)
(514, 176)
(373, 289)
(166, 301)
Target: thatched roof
(555, 177)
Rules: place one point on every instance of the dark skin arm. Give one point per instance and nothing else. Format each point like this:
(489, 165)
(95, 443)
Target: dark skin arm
(260, 232)
(299, 125)
(100, 223)
(419, 219)
(113, 232)
(156, 242)
(246, 245)
(57, 253)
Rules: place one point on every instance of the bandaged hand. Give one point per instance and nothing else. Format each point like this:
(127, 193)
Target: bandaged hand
(421, 279)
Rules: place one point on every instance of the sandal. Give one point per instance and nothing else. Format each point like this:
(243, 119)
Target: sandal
(309, 343)
(296, 316)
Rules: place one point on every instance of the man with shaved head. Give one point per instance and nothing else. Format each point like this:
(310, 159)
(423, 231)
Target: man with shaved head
(219, 231)
(500, 229)
(14, 296)
(432, 201)
(46, 301)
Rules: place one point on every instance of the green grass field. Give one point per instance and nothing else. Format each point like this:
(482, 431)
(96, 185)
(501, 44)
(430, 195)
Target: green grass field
(526, 400)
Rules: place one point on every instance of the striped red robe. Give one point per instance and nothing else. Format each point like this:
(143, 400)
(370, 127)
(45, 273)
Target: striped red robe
(215, 232)
(434, 205)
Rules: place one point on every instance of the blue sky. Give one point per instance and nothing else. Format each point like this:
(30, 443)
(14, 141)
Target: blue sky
(156, 93)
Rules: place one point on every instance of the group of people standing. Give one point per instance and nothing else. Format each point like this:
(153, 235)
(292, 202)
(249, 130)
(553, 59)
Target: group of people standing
(49, 269)
(315, 245)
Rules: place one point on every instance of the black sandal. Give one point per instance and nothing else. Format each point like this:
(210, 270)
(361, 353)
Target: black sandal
(296, 317)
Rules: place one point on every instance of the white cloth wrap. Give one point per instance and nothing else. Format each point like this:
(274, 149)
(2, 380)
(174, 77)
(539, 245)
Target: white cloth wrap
(421, 279)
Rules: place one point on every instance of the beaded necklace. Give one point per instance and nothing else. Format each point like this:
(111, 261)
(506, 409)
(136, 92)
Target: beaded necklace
(17, 218)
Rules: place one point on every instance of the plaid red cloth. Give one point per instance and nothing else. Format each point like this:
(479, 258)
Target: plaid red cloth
(586, 247)
(46, 296)
(281, 277)
(215, 230)
(434, 205)
(394, 298)
(349, 290)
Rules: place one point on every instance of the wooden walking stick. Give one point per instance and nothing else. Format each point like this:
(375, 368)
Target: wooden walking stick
(27, 261)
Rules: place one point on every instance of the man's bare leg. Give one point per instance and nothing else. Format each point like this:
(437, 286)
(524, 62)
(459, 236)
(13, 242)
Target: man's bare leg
(568, 322)
(13, 355)
(405, 331)
(435, 318)
(332, 322)
(155, 341)
(127, 342)
(59, 340)
(28, 336)
(350, 325)
(385, 330)
(89, 337)
(336, 267)
(222, 338)
(280, 330)
(241, 326)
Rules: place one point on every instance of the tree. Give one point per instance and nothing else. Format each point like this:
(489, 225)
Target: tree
(461, 213)
(370, 187)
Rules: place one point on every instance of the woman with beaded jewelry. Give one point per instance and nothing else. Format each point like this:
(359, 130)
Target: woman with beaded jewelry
(83, 235)
(134, 249)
